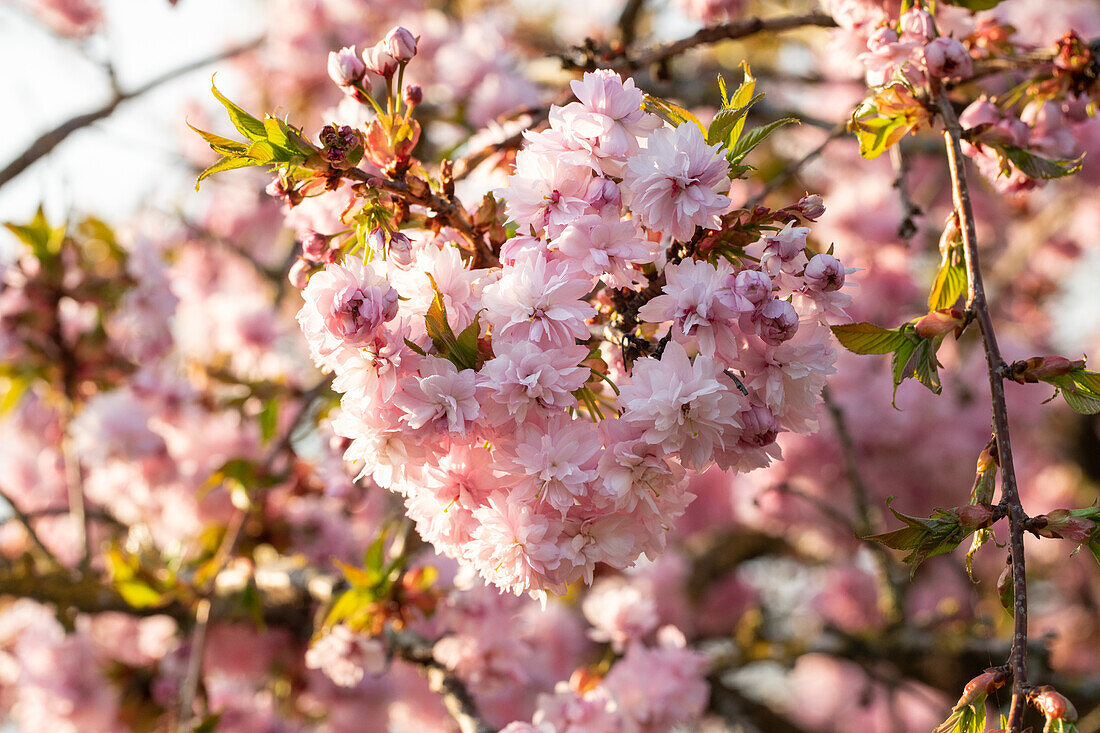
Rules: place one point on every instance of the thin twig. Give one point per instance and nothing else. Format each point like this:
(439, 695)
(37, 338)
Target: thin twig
(46, 142)
(791, 170)
(909, 211)
(190, 686)
(860, 495)
(731, 31)
(978, 306)
(456, 697)
(27, 522)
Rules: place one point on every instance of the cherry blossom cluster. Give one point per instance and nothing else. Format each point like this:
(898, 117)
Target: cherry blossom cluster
(497, 400)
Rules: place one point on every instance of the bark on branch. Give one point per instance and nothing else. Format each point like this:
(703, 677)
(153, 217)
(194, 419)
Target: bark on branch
(978, 308)
(47, 141)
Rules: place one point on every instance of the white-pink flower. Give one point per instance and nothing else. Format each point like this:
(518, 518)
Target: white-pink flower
(552, 462)
(345, 306)
(526, 379)
(440, 398)
(672, 186)
(608, 247)
(697, 299)
(515, 546)
(683, 406)
(539, 301)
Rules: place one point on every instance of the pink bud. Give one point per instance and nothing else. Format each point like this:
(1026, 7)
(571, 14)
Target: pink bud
(760, 426)
(753, 285)
(975, 516)
(344, 66)
(401, 44)
(811, 206)
(602, 193)
(824, 273)
(1064, 526)
(881, 38)
(1053, 704)
(938, 323)
(399, 252)
(414, 95)
(916, 25)
(946, 58)
(981, 686)
(378, 60)
(777, 322)
(299, 273)
(315, 246)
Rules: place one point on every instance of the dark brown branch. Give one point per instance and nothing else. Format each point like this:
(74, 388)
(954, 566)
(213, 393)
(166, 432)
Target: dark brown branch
(456, 697)
(46, 142)
(978, 307)
(628, 21)
(909, 211)
(27, 521)
(731, 31)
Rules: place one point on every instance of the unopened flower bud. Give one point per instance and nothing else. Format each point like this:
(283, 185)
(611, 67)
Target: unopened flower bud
(401, 44)
(345, 67)
(1053, 704)
(299, 273)
(413, 95)
(399, 251)
(1062, 525)
(378, 60)
(980, 112)
(946, 58)
(939, 322)
(975, 516)
(916, 25)
(824, 273)
(753, 285)
(315, 246)
(981, 687)
(811, 206)
(1039, 368)
(778, 322)
(760, 426)
(881, 38)
(602, 193)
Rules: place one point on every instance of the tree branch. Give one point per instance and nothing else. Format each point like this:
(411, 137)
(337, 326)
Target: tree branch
(456, 697)
(46, 142)
(731, 31)
(978, 307)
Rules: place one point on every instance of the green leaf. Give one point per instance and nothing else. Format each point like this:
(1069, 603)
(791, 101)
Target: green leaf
(460, 350)
(1038, 166)
(722, 90)
(225, 164)
(285, 137)
(12, 389)
(745, 145)
(222, 145)
(923, 537)
(867, 338)
(43, 239)
(980, 538)
(876, 133)
(139, 594)
(269, 420)
(245, 123)
(1080, 389)
(951, 283)
(726, 119)
(672, 113)
(974, 5)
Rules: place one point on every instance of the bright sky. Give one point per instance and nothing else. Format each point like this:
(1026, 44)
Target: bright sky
(128, 160)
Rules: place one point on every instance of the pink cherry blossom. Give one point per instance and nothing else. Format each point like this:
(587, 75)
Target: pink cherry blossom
(673, 185)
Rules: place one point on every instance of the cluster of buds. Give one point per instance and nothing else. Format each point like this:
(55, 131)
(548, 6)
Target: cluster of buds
(349, 71)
